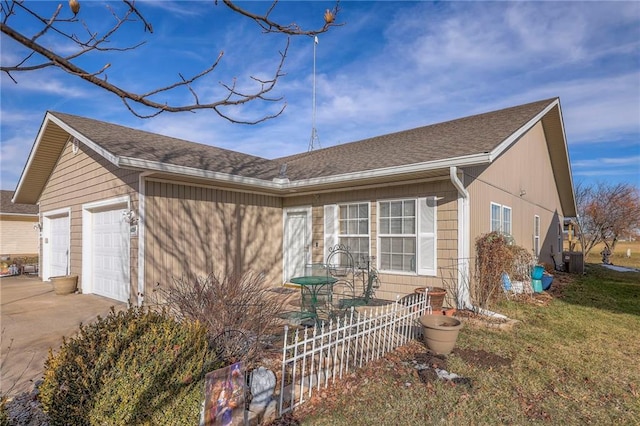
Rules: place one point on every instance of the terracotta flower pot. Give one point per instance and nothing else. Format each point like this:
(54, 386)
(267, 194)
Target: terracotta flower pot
(436, 294)
(449, 312)
(65, 284)
(440, 333)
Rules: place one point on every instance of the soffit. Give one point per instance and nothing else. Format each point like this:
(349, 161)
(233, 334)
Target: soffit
(41, 162)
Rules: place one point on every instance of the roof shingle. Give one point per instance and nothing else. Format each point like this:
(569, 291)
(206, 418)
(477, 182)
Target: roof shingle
(7, 207)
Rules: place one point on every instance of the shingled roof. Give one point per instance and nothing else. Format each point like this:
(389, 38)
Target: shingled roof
(7, 207)
(125, 142)
(463, 137)
(467, 136)
(429, 150)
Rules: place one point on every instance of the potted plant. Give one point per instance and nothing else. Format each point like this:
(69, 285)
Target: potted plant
(440, 332)
(65, 284)
(435, 294)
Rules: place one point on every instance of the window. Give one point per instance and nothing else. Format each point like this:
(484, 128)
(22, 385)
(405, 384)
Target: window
(500, 218)
(354, 229)
(348, 224)
(407, 236)
(536, 235)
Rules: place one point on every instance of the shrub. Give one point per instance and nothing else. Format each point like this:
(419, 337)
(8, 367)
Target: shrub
(4, 417)
(132, 367)
(239, 311)
(497, 254)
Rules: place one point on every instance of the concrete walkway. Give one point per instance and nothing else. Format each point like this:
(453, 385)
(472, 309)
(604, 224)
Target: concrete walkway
(33, 319)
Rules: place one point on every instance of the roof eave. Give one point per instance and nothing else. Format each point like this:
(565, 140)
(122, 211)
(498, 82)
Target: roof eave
(19, 195)
(561, 171)
(444, 164)
(284, 187)
(498, 150)
(88, 142)
(155, 166)
(21, 182)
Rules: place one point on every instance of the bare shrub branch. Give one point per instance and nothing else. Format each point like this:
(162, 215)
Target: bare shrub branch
(239, 311)
(496, 254)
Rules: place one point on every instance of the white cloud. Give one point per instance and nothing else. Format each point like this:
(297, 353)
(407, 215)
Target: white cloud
(608, 161)
(394, 66)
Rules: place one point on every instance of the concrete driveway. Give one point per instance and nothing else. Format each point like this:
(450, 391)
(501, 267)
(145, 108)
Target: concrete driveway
(33, 319)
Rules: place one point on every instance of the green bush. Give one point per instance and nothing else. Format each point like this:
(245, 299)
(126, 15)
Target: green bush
(132, 367)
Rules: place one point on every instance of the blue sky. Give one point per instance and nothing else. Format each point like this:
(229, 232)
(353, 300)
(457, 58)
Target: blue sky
(392, 66)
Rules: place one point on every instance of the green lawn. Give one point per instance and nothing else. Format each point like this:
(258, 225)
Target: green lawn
(574, 360)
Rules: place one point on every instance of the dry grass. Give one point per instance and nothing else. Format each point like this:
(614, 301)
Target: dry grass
(574, 361)
(619, 256)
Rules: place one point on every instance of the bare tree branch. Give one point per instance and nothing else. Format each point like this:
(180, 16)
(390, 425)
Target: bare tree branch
(94, 42)
(270, 26)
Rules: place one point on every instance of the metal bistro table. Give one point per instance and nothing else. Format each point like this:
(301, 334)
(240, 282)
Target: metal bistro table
(315, 292)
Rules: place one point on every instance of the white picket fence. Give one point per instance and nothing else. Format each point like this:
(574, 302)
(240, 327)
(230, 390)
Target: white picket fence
(313, 358)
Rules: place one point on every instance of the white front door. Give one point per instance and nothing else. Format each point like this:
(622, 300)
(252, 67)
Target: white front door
(297, 242)
(56, 244)
(110, 258)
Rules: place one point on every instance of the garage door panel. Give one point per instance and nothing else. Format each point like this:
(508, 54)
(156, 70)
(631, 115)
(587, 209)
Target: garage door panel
(110, 254)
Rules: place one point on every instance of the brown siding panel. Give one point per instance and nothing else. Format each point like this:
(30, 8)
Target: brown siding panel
(194, 231)
(525, 166)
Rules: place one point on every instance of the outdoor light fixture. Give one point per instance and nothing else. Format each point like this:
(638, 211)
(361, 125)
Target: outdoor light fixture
(129, 216)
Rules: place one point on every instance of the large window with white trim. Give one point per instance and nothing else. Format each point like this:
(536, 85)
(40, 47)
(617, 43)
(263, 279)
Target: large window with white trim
(348, 224)
(500, 218)
(407, 236)
(354, 229)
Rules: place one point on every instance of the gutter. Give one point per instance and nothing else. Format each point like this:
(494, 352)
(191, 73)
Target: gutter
(284, 186)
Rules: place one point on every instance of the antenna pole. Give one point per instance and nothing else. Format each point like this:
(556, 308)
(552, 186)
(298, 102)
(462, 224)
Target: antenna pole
(314, 132)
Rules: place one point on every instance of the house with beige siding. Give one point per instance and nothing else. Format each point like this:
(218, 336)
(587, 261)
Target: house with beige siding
(128, 210)
(18, 228)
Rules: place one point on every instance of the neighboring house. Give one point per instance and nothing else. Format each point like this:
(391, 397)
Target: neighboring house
(18, 228)
(128, 210)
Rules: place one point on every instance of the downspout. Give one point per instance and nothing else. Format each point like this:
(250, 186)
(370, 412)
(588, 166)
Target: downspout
(464, 237)
(141, 235)
(464, 298)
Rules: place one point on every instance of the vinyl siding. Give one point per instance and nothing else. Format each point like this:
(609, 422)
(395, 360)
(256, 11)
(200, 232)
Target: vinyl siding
(18, 236)
(394, 285)
(86, 177)
(192, 231)
(525, 166)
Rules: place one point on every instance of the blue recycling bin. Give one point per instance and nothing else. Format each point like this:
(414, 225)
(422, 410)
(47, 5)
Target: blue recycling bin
(537, 286)
(547, 279)
(537, 272)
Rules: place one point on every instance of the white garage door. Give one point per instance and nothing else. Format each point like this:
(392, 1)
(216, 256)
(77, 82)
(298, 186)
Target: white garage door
(110, 254)
(58, 246)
